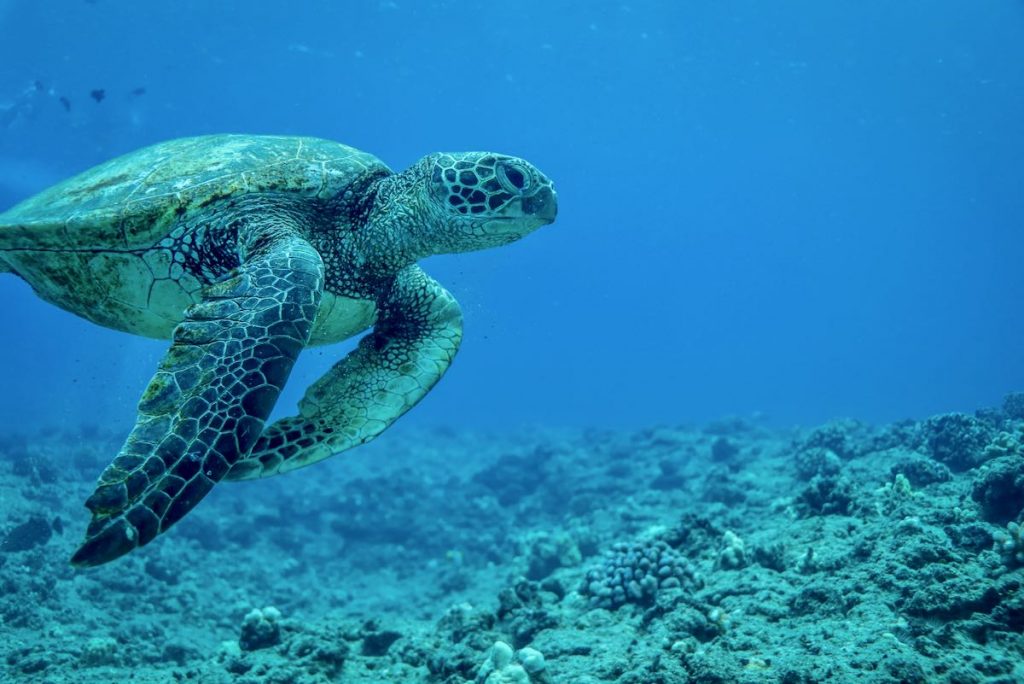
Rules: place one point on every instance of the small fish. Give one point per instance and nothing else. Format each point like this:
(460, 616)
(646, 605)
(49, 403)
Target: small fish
(138, 91)
(65, 102)
(98, 94)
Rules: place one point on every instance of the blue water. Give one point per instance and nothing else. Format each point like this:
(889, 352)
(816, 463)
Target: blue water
(803, 209)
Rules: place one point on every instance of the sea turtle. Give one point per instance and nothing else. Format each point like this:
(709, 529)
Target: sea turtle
(243, 250)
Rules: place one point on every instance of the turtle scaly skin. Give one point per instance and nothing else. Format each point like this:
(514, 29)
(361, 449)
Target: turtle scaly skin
(243, 250)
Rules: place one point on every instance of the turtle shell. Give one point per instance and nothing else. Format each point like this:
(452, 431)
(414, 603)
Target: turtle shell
(95, 245)
(130, 202)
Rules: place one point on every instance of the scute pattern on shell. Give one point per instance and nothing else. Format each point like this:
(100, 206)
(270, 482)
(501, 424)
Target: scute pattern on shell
(131, 201)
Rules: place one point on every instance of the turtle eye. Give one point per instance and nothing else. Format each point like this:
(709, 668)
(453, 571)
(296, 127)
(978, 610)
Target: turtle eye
(513, 178)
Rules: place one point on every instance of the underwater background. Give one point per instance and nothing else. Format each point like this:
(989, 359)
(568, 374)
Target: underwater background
(763, 365)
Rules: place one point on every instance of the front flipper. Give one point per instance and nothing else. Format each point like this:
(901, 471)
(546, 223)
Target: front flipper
(207, 403)
(416, 337)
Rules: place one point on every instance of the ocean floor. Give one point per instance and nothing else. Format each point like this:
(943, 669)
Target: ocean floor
(727, 552)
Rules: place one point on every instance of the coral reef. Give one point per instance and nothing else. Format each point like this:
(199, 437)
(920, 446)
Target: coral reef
(956, 440)
(1011, 544)
(260, 629)
(817, 461)
(843, 554)
(505, 667)
(732, 555)
(999, 489)
(827, 495)
(635, 573)
(35, 531)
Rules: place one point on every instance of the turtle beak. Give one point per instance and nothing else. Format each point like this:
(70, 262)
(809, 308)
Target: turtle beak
(542, 204)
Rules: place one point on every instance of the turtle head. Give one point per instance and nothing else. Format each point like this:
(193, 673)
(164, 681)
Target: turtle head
(483, 199)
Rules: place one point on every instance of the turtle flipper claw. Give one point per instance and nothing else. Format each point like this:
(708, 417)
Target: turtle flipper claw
(207, 403)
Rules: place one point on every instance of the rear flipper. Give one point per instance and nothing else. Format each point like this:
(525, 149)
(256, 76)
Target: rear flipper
(207, 403)
(417, 335)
